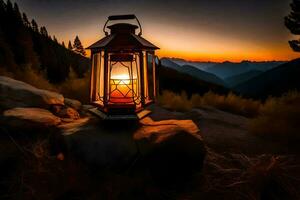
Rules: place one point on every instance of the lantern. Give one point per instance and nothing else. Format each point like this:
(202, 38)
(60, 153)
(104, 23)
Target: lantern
(123, 75)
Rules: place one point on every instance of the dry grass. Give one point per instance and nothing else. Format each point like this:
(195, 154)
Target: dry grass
(175, 102)
(76, 88)
(73, 87)
(30, 76)
(231, 102)
(237, 176)
(279, 118)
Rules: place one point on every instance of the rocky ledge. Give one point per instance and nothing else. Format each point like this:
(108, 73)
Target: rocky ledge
(169, 149)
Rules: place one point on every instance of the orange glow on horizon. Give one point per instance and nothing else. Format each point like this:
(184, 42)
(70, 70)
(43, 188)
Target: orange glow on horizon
(226, 56)
(229, 56)
(206, 46)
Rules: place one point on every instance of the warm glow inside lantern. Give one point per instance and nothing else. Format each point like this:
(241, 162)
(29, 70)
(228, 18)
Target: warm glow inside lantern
(123, 75)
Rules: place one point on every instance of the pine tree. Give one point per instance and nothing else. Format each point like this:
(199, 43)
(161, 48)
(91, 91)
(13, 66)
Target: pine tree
(44, 31)
(34, 26)
(54, 39)
(25, 20)
(2, 11)
(17, 11)
(18, 37)
(2, 5)
(292, 22)
(9, 8)
(78, 48)
(63, 44)
(70, 47)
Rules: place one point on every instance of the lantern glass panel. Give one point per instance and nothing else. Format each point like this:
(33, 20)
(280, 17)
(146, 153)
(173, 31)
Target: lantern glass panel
(145, 73)
(151, 75)
(123, 82)
(97, 78)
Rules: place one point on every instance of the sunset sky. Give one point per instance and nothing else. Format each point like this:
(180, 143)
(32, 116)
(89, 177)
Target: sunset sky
(214, 30)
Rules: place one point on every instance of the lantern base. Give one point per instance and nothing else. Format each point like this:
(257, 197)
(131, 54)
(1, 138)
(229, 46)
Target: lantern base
(136, 116)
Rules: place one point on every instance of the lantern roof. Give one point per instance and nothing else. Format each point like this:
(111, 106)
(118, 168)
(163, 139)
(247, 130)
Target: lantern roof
(122, 37)
(122, 28)
(127, 42)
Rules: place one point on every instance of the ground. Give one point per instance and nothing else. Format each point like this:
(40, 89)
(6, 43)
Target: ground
(227, 132)
(235, 161)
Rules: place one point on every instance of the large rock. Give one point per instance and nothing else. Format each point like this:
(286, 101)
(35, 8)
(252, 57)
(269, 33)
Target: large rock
(15, 93)
(98, 143)
(172, 149)
(24, 119)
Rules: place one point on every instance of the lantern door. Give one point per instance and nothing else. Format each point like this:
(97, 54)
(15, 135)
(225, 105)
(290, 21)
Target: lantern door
(123, 83)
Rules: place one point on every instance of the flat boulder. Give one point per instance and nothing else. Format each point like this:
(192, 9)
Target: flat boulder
(172, 149)
(14, 93)
(99, 143)
(24, 119)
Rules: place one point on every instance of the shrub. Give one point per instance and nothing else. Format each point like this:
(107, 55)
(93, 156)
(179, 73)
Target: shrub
(174, 101)
(75, 87)
(30, 76)
(231, 102)
(279, 117)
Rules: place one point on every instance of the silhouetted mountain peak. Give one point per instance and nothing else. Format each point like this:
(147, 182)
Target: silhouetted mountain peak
(274, 82)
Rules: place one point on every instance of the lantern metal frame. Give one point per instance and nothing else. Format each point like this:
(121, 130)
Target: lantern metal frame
(123, 47)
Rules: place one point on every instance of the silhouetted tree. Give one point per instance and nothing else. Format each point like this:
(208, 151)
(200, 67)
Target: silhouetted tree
(18, 37)
(6, 55)
(17, 11)
(2, 5)
(2, 10)
(63, 44)
(44, 31)
(34, 26)
(292, 22)
(9, 7)
(25, 20)
(78, 48)
(70, 47)
(54, 39)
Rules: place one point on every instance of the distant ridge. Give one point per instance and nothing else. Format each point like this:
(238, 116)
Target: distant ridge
(243, 77)
(194, 72)
(227, 69)
(274, 82)
(170, 78)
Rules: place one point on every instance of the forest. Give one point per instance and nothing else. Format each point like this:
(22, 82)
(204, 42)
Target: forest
(24, 46)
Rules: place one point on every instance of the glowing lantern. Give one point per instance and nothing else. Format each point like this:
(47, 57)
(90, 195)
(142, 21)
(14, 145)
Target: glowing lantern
(123, 75)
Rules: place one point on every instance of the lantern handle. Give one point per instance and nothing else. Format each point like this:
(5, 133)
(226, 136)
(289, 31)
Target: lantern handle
(122, 17)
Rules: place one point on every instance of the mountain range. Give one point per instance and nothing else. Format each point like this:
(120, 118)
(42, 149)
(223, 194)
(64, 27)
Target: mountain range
(274, 82)
(250, 79)
(227, 69)
(240, 78)
(176, 78)
(193, 71)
